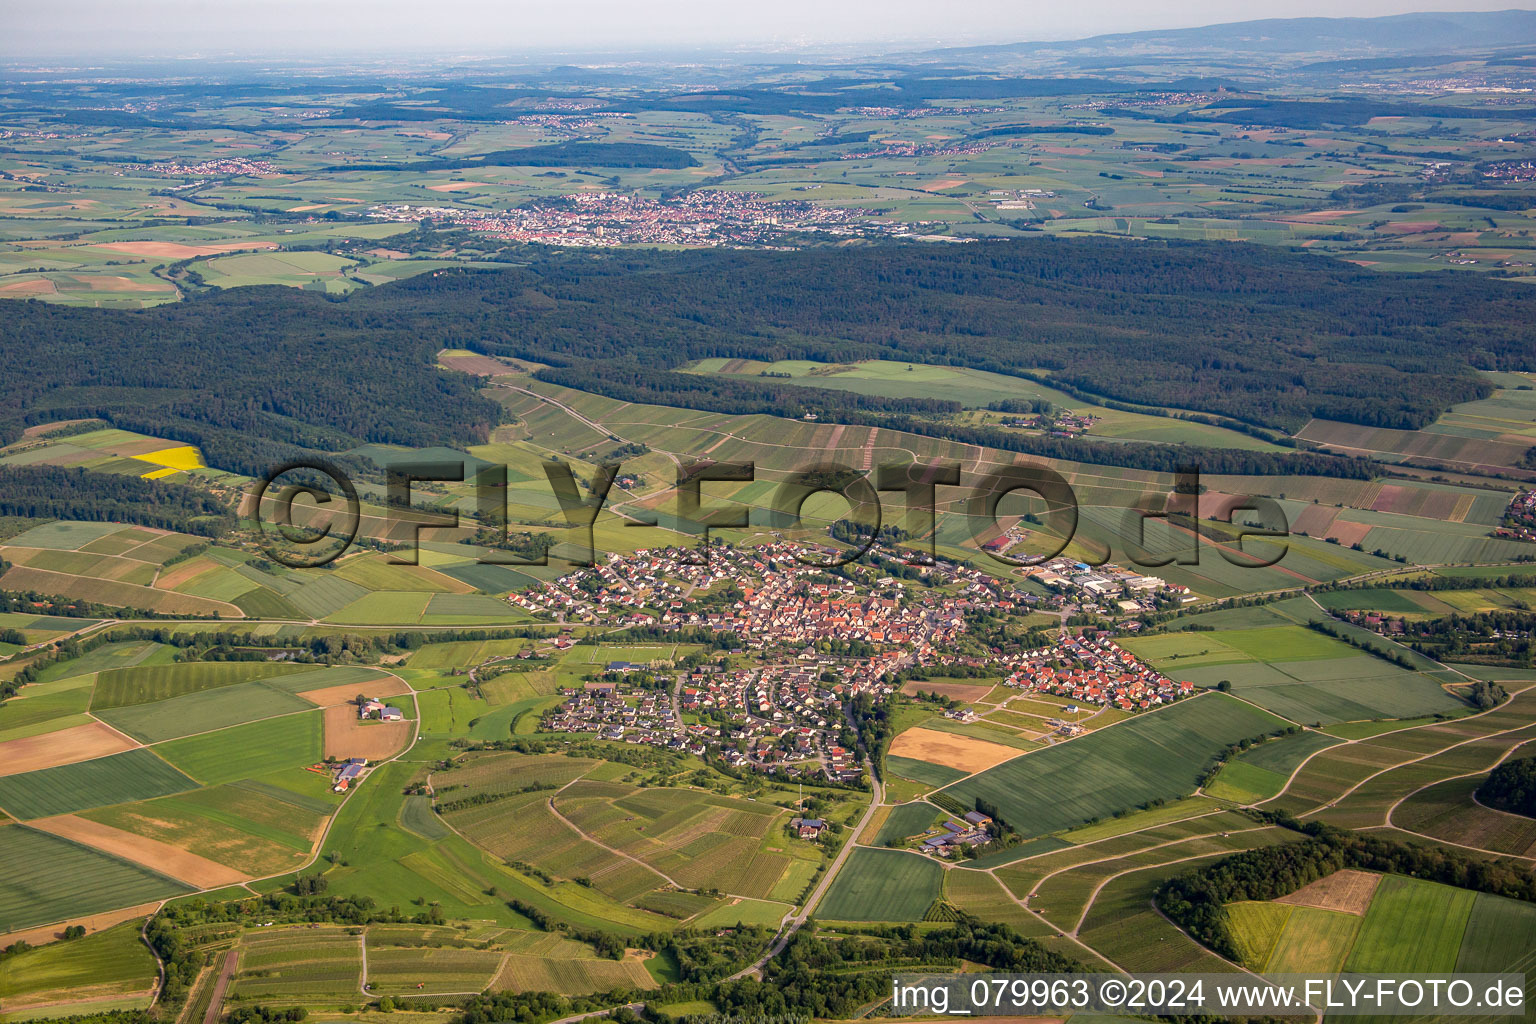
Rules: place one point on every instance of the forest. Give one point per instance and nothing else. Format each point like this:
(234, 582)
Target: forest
(57, 492)
(1511, 787)
(1264, 336)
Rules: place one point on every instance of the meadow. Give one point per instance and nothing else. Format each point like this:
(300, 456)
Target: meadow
(110, 964)
(907, 820)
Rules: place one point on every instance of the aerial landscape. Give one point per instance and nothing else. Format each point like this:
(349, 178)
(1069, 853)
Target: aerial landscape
(695, 532)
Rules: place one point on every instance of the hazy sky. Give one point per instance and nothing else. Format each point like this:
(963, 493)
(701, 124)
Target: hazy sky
(134, 28)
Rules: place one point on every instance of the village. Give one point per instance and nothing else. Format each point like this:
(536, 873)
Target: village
(699, 218)
(1520, 518)
(807, 641)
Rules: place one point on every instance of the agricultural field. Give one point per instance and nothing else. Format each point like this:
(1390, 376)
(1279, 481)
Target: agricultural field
(253, 828)
(126, 687)
(883, 885)
(133, 775)
(490, 831)
(247, 751)
(978, 388)
(111, 966)
(1299, 674)
(1392, 925)
(1261, 772)
(660, 836)
(1156, 756)
(296, 966)
(43, 884)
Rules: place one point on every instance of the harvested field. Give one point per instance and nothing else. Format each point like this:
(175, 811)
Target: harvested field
(1348, 533)
(347, 736)
(196, 871)
(968, 692)
(178, 251)
(969, 755)
(92, 923)
(1347, 891)
(330, 696)
(66, 746)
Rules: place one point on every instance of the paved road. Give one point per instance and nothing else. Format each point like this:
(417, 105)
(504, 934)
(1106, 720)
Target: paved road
(799, 919)
(637, 1007)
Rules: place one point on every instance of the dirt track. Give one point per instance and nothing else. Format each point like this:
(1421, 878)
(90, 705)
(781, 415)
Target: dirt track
(220, 986)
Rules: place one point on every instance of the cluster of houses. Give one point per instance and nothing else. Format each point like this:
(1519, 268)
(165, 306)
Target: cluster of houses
(951, 837)
(1061, 424)
(349, 774)
(782, 716)
(1093, 670)
(377, 710)
(776, 705)
(1521, 518)
(782, 601)
(1386, 625)
(701, 218)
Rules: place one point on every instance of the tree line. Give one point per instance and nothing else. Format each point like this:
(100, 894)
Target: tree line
(1197, 899)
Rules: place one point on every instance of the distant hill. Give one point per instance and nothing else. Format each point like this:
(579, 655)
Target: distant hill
(1398, 33)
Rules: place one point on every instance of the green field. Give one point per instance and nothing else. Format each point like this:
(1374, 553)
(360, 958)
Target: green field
(976, 388)
(121, 778)
(144, 684)
(930, 774)
(1154, 756)
(204, 712)
(109, 963)
(1500, 936)
(250, 828)
(907, 820)
(1260, 772)
(247, 751)
(290, 966)
(1298, 673)
(1256, 928)
(882, 885)
(42, 882)
(1314, 940)
(1244, 783)
(1412, 927)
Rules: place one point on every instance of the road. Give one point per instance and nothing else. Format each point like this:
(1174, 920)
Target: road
(637, 1007)
(794, 923)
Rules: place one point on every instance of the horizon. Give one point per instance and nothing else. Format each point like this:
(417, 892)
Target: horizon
(176, 30)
